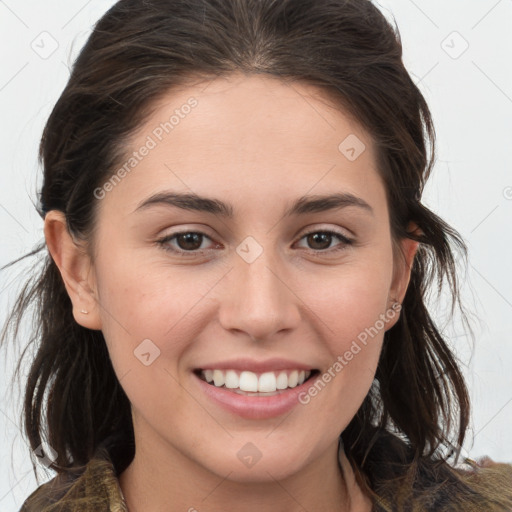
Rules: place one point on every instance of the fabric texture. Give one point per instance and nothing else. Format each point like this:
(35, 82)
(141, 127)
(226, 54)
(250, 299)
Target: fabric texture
(97, 488)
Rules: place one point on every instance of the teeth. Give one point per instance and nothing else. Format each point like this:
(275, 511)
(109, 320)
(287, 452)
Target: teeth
(232, 380)
(218, 377)
(293, 379)
(282, 381)
(248, 381)
(268, 382)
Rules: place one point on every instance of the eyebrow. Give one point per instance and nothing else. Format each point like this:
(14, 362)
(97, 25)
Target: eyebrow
(304, 205)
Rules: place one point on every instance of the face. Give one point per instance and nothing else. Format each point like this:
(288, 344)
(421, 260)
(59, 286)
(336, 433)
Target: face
(259, 285)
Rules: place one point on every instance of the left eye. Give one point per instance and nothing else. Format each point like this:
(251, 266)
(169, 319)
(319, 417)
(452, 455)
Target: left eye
(191, 241)
(320, 237)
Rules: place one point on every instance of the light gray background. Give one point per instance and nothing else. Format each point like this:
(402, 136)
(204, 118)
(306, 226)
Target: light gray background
(470, 94)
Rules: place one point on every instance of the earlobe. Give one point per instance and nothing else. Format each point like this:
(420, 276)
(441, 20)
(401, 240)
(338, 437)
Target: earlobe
(75, 268)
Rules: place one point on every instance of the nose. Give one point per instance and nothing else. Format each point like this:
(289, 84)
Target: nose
(258, 299)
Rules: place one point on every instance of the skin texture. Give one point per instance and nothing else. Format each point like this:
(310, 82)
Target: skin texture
(258, 144)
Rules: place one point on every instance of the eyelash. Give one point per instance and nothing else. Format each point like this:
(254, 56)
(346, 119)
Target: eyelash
(164, 242)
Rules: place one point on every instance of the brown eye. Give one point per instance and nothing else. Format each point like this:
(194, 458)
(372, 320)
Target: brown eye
(319, 241)
(187, 243)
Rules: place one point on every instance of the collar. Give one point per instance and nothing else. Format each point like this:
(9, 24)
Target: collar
(93, 488)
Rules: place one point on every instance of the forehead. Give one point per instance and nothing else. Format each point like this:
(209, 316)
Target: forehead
(235, 104)
(250, 133)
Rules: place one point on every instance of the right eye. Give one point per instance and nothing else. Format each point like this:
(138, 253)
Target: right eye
(185, 243)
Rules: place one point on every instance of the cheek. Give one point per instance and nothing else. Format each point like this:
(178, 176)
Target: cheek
(140, 300)
(352, 300)
(354, 313)
(149, 322)
(151, 316)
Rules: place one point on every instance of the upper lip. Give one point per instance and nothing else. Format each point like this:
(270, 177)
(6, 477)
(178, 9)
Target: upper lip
(253, 365)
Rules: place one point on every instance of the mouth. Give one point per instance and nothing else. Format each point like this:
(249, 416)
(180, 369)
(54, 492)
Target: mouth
(255, 384)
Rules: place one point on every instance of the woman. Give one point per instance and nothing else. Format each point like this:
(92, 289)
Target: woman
(201, 345)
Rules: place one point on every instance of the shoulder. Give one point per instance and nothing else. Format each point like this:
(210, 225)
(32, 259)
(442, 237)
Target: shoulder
(429, 484)
(46, 496)
(491, 480)
(93, 488)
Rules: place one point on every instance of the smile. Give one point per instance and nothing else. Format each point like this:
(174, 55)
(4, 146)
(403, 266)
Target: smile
(254, 389)
(248, 382)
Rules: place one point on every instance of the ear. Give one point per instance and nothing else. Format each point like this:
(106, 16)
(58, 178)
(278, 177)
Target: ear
(75, 268)
(402, 269)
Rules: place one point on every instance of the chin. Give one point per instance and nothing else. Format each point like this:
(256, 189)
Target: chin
(247, 463)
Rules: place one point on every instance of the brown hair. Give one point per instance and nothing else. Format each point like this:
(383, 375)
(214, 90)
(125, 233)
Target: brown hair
(138, 52)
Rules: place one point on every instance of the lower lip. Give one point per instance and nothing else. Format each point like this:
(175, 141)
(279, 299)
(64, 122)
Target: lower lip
(255, 407)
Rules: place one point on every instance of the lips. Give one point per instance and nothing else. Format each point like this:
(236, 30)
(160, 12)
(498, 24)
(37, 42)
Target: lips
(252, 405)
(256, 366)
(254, 389)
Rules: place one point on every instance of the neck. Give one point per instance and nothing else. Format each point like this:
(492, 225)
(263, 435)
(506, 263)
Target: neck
(159, 480)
